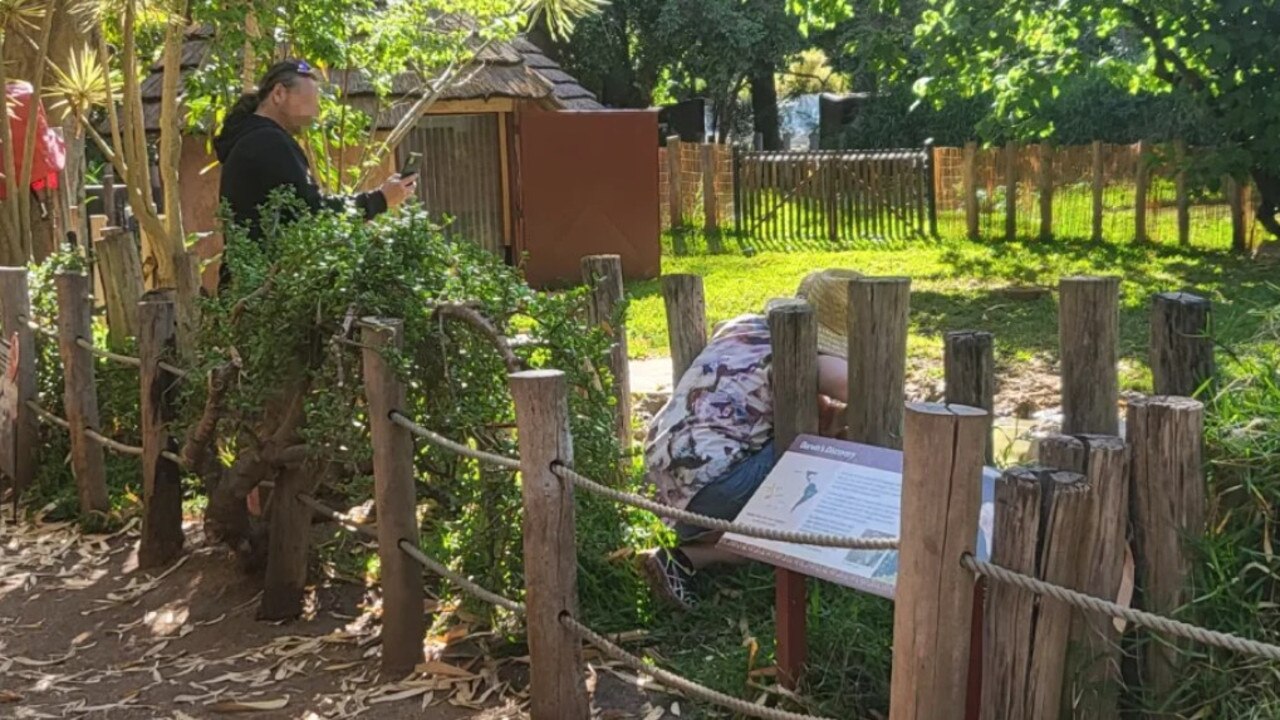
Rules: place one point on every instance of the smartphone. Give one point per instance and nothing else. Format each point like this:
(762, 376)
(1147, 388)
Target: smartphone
(411, 166)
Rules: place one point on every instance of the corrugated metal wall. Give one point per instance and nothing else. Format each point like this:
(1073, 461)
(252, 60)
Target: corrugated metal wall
(461, 181)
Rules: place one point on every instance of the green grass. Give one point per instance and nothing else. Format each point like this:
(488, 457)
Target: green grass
(956, 284)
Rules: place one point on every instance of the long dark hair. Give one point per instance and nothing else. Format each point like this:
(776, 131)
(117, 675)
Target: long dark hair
(286, 73)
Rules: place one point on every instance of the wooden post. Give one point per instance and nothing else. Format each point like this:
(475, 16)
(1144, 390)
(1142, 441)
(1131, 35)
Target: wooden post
(757, 142)
(970, 173)
(1166, 435)
(15, 312)
(793, 332)
(288, 544)
(686, 321)
(969, 368)
(162, 536)
(1234, 191)
(675, 194)
(1039, 520)
(933, 607)
(1142, 190)
(931, 184)
(1088, 333)
(80, 396)
(1011, 191)
(1045, 152)
(120, 270)
(878, 310)
(109, 197)
(710, 199)
(1181, 348)
(1099, 184)
(1184, 200)
(1094, 656)
(557, 681)
(603, 274)
(395, 500)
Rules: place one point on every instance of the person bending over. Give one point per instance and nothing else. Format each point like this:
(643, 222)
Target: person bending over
(711, 446)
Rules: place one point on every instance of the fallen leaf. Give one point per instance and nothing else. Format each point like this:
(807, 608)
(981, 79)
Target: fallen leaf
(235, 706)
(675, 709)
(436, 667)
(8, 696)
(655, 713)
(402, 695)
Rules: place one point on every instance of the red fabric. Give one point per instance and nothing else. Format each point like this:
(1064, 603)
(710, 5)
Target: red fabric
(51, 154)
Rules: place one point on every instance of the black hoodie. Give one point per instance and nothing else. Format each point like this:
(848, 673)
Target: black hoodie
(258, 156)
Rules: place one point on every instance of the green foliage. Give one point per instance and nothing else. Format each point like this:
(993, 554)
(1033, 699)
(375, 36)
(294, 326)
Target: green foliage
(325, 274)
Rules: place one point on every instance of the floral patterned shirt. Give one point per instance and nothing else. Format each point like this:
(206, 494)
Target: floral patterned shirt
(720, 412)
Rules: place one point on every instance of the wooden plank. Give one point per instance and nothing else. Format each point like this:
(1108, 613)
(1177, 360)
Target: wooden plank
(1089, 336)
(120, 270)
(1045, 152)
(395, 500)
(556, 671)
(1143, 187)
(80, 395)
(1166, 436)
(878, 309)
(467, 107)
(969, 369)
(1183, 197)
(1099, 179)
(933, 612)
(603, 275)
(15, 312)
(1181, 357)
(162, 536)
(682, 295)
(675, 196)
(1011, 191)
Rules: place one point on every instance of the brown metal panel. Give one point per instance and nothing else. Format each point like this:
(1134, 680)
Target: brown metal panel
(589, 185)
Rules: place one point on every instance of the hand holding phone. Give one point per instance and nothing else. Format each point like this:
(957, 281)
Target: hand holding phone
(411, 166)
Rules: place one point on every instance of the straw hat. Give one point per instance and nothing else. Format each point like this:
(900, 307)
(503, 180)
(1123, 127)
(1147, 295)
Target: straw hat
(827, 292)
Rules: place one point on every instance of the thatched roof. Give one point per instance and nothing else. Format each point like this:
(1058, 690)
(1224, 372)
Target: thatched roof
(517, 70)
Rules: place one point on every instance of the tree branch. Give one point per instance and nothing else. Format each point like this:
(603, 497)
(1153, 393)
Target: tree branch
(471, 316)
(1164, 55)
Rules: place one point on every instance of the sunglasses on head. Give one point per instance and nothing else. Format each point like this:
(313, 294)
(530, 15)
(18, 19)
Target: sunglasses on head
(277, 75)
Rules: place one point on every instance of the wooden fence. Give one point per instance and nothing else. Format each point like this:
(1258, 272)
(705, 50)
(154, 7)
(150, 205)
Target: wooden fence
(1064, 524)
(1140, 192)
(702, 194)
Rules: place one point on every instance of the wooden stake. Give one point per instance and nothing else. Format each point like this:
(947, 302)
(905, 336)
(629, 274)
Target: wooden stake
(395, 499)
(1181, 348)
(933, 610)
(120, 270)
(1039, 519)
(162, 536)
(1183, 198)
(288, 544)
(793, 332)
(1143, 186)
(1099, 184)
(603, 274)
(1089, 329)
(970, 375)
(686, 321)
(970, 173)
(1045, 152)
(1166, 435)
(15, 313)
(1011, 191)
(675, 197)
(878, 310)
(80, 396)
(710, 200)
(1235, 201)
(557, 683)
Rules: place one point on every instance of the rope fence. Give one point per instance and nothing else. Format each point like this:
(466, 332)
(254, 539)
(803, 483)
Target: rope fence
(108, 443)
(130, 361)
(1158, 623)
(445, 443)
(47, 416)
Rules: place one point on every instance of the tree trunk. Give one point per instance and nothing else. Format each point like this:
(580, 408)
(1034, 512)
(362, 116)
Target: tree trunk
(764, 107)
(1269, 199)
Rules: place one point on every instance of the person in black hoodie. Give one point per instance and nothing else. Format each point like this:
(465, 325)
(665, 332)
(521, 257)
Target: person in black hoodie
(258, 151)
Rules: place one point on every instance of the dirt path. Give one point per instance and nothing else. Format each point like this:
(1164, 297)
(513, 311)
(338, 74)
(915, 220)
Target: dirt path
(85, 634)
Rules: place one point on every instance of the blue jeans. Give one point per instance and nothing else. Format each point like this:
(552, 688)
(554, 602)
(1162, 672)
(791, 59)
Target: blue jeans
(725, 497)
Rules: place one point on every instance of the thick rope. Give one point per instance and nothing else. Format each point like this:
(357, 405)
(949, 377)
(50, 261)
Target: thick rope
(173, 457)
(675, 682)
(173, 370)
(1148, 620)
(115, 357)
(110, 444)
(443, 442)
(47, 332)
(463, 583)
(47, 416)
(710, 523)
(340, 518)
